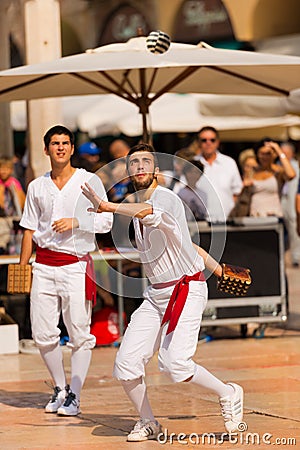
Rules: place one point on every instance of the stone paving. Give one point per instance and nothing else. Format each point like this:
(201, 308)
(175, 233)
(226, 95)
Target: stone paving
(267, 368)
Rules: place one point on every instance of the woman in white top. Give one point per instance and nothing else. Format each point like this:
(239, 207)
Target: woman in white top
(268, 179)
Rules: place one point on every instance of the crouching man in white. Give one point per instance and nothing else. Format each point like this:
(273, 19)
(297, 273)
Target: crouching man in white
(177, 295)
(55, 219)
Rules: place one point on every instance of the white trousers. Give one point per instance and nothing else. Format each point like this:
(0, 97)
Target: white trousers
(144, 336)
(55, 290)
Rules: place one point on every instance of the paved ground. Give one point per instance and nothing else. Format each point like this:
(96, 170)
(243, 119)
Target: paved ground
(267, 368)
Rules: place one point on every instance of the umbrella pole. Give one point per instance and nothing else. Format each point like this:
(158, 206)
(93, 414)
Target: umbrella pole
(145, 128)
(143, 104)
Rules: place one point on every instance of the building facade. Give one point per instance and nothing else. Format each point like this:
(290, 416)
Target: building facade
(40, 30)
(226, 23)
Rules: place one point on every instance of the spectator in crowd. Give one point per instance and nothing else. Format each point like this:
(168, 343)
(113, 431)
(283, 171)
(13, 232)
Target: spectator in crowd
(288, 197)
(175, 180)
(222, 181)
(120, 185)
(12, 199)
(20, 162)
(118, 149)
(12, 196)
(269, 178)
(194, 200)
(120, 188)
(89, 156)
(248, 164)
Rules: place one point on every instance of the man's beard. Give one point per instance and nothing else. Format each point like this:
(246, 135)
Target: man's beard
(145, 184)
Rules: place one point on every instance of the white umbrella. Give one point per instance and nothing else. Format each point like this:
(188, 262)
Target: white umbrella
(130, 71)
(183, 113)
(71, 108)
(250, 105)
(100, 115)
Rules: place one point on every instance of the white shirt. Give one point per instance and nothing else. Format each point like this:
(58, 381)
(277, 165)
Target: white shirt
(179, 184)
(290, 188)
(167, 251)
(221, 181)
(45, 203)
(195, 203)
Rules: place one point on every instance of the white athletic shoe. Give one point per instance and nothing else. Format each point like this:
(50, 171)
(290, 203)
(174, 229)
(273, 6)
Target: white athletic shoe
(143, 430)
(56, 400)
(71, 406)
(232, 408)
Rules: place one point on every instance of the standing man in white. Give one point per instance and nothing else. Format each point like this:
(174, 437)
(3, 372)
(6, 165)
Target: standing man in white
(222, 181)
(55, 219)
(174, 267)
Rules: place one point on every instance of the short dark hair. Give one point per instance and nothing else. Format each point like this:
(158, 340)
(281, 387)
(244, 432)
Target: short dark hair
(142, 147)
(209, 128)
(261, 144)
(58, 129)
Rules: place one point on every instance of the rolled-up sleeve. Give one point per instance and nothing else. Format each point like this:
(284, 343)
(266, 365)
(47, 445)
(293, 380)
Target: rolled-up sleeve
(153, 219)
(166, 206)
(30, 217)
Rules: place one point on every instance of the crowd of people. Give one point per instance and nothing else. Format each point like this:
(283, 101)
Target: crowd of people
(214, 187)
(63, 210)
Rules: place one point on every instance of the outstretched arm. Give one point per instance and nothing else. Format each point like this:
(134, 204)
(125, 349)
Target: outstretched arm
(210, 263)
(139, 210)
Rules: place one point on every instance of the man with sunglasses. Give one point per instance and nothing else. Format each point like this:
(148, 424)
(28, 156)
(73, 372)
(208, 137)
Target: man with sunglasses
(221, 181)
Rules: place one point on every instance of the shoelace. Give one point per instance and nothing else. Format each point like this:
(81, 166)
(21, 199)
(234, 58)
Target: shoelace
(71, 398)
(226, 409)
(56, 390)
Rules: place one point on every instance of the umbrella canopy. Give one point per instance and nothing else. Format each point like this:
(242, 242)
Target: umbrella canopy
(100, 115)
(71, 109)
(130, 71)
(250, 105)
(174, 113)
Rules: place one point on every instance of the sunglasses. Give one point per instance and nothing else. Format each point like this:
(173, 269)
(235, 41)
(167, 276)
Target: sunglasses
(209, 139)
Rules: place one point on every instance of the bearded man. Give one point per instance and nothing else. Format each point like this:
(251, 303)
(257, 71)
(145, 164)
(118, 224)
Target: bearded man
(169, 318)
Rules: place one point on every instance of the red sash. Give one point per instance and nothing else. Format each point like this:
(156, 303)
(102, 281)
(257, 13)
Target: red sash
(53, 258)
(178, 298)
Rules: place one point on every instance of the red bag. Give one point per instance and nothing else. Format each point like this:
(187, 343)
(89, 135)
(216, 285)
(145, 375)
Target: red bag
(105, 326)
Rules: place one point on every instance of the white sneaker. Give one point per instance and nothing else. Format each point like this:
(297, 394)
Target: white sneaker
(70, 406)
(144, 429)
(232, 408)
(56, 400)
